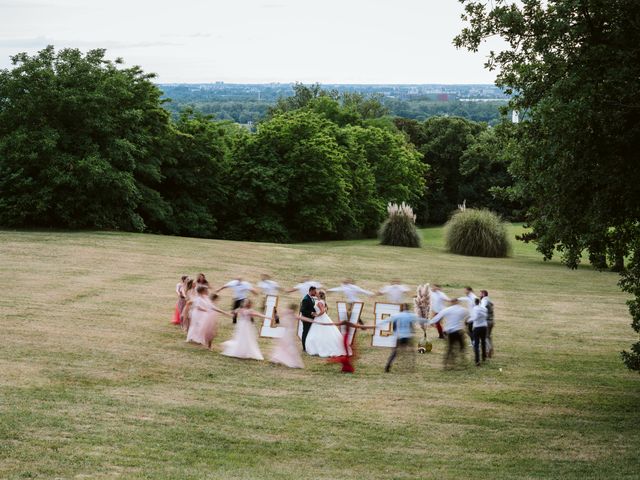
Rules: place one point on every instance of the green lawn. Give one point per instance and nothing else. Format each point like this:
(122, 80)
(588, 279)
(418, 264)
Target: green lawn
(95, 382)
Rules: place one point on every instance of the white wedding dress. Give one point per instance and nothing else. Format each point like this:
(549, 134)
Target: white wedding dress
(324, 340)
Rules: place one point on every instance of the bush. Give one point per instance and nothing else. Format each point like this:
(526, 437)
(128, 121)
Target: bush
(477, 233)
(400, 228)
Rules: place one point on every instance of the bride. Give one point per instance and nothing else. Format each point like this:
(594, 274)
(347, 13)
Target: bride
(324, 338)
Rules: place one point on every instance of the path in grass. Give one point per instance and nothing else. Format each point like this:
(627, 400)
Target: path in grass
(95, 383)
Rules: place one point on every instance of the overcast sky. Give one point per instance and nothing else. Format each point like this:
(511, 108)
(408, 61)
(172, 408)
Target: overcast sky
(326, 41)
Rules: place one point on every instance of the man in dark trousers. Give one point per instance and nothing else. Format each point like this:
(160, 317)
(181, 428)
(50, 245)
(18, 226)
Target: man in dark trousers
(307, 309)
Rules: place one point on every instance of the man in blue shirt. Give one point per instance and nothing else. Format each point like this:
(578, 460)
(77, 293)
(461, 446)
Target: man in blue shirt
(403, 326)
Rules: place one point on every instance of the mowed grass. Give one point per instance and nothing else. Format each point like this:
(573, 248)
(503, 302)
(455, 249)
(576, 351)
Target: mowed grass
(95, 382)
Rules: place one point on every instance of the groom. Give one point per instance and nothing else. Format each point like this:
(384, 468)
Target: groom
(307, 310)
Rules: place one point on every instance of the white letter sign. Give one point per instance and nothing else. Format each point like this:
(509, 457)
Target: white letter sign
(269, 326)
(383, 335)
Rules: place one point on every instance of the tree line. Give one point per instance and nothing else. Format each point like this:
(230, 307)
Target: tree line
(87, 143)
(251, 103)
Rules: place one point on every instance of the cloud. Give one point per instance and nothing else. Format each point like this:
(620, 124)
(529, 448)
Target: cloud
(15, 4)
(39, 42)
(187, 35)
(33, 42)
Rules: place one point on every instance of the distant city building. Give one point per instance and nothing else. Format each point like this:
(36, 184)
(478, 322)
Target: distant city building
(515, 116)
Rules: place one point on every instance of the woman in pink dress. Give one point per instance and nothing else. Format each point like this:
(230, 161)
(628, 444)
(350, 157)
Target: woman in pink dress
(181, 301)
(286, 351)
(244, 343)
(190, 295)
(202, 328)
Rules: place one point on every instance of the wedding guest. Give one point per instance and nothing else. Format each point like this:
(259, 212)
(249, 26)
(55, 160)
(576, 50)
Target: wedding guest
(470, 297)
(486, 302)
(403, 326)
(202, 280)
(286, 351)
(180, 302)
(244, 343)
(241, 290)
(349, 344)
(269, 287)
(395, 292)
(203, 325)
(478, 320)
(438, 299)
(190, 294)
(351, 291)
(303, 287)
(455, 316)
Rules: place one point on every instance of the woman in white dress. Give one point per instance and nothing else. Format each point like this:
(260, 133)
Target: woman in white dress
(244, 343)
(324, 338)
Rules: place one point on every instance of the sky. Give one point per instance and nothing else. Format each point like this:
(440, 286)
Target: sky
(256, 41)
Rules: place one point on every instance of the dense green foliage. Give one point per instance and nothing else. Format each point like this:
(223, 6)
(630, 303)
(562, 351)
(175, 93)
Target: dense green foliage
(81, 143)
(574, 67)
(477, 233)
(85, 143)
(399, 229)
(315, 169)
(468, 161)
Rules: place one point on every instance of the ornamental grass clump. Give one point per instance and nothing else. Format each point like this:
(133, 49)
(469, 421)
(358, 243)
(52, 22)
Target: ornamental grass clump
(399, 229)
(477, 233)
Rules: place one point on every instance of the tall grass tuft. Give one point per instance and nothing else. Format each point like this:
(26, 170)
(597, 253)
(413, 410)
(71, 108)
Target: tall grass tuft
(477, 233)
(399, 229)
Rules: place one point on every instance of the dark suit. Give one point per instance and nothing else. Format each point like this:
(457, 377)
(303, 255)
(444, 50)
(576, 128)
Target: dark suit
(306, 310)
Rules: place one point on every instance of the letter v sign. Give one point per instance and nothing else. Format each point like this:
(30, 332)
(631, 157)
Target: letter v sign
(352, 316)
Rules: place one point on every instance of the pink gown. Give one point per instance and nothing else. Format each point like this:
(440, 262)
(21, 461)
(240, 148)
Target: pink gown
(286, 351)
(244, 343)
(203, 323)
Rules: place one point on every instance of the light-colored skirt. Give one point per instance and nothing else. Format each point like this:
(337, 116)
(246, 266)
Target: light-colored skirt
(244, 343)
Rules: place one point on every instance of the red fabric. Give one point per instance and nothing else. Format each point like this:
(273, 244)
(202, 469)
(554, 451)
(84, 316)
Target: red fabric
(346, 359)
(176, 316)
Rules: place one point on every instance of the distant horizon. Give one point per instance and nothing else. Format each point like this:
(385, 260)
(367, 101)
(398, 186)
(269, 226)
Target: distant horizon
(373, 84)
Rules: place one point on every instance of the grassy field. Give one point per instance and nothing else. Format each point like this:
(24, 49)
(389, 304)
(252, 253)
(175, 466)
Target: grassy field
(95, 382)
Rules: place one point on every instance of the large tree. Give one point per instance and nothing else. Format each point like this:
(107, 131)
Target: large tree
(81, 142)
(573, 67)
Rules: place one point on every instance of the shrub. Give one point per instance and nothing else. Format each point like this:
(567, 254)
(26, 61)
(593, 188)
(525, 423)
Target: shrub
(399, 229)
(477, 233)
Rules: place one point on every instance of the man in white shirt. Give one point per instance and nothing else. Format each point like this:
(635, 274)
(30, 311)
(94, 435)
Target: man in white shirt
(455, 315)
(350, 290)
(486, 302)
(395, 292)
(478, 322)
(438, 303)
(471, 297)
(303, 287)
(241, 290)
(269, 287)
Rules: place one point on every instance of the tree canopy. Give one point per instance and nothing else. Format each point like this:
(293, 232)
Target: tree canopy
(80, 142)
(573, 67)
